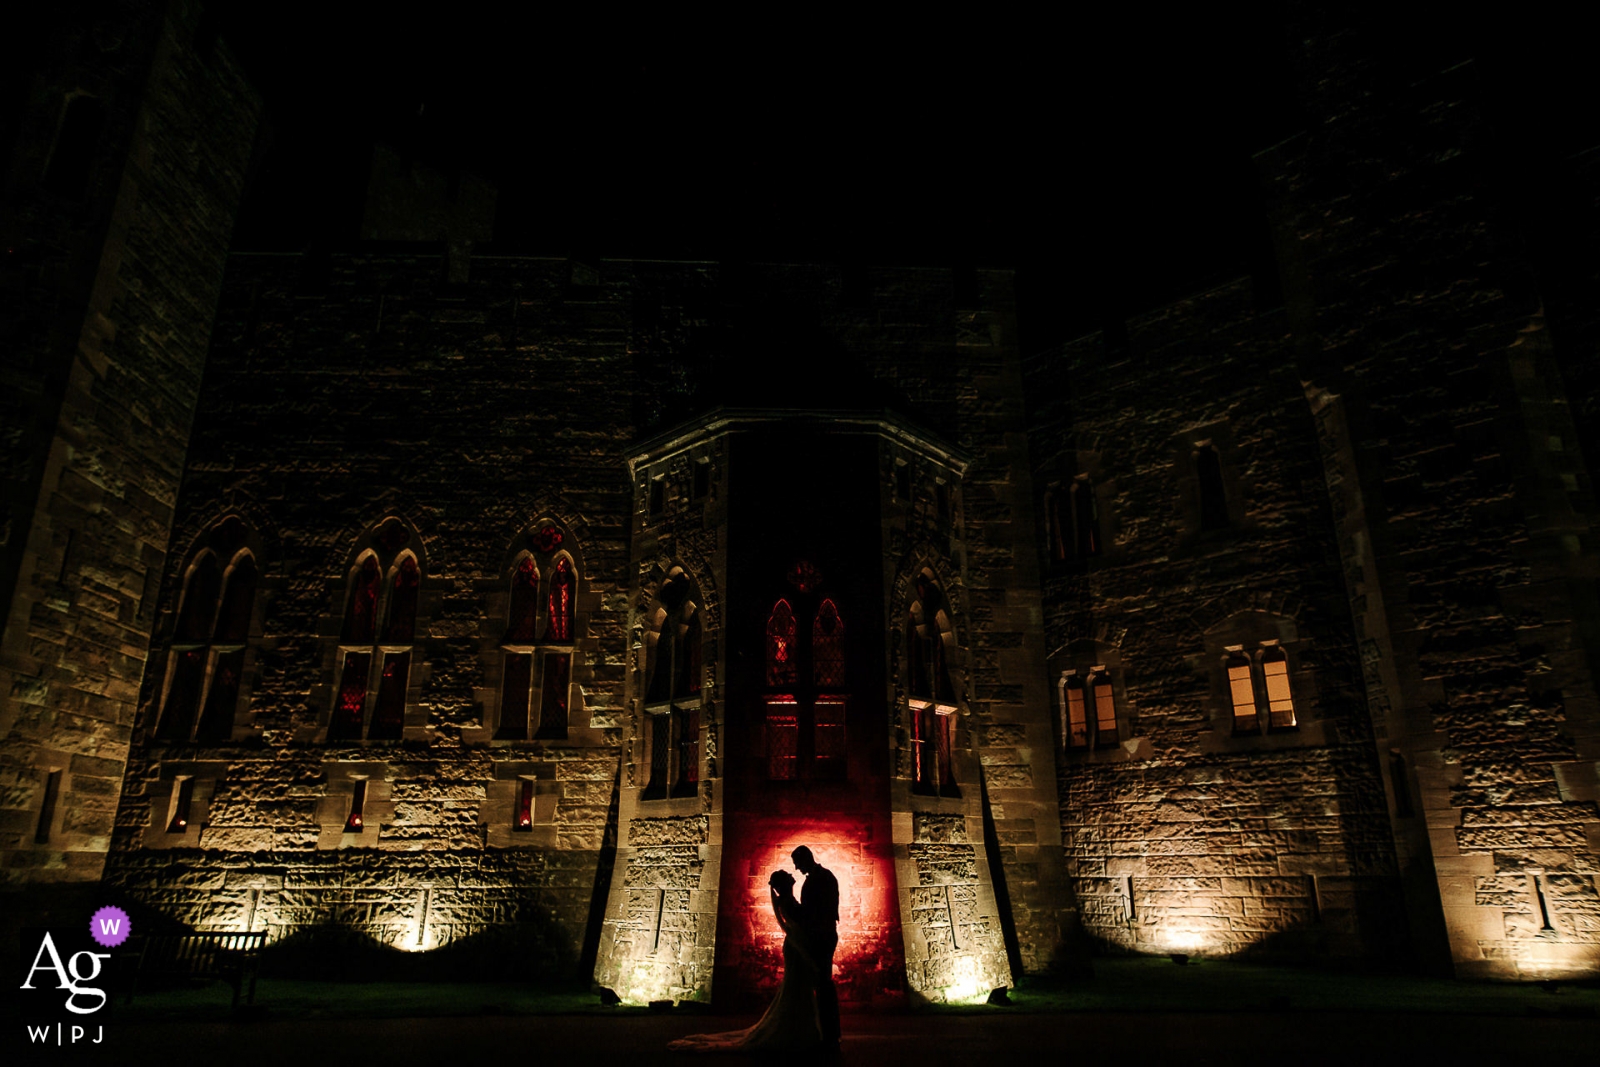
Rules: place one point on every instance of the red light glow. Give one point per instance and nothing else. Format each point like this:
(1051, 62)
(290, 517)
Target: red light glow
(869, 962)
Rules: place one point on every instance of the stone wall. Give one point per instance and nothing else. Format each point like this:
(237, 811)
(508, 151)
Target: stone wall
(1184, 835)
(1416, 313)
(110, 313)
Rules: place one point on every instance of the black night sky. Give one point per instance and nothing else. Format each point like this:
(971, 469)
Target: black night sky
(1106, 154)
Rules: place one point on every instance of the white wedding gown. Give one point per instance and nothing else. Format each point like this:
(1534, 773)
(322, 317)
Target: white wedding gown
(790, 1022)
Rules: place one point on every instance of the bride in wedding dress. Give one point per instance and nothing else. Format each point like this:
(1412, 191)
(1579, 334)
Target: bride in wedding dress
(790, 1023)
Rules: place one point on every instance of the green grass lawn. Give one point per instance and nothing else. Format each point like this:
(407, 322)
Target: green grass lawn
(1119, 985)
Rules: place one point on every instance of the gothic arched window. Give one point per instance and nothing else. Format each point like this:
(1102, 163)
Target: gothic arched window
(1054, 528)
(1275, 675)
(540, 640)
(208, 650)
(561, 601)
(376, 643)
(807, 692)
(781, 665)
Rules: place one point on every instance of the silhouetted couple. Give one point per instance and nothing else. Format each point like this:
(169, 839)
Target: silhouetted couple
(805, 1013)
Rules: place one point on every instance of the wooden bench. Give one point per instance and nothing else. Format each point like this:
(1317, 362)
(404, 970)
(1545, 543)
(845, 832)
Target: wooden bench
(231, 957)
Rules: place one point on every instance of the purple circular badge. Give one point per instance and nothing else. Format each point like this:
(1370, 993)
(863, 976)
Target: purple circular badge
(109, 926)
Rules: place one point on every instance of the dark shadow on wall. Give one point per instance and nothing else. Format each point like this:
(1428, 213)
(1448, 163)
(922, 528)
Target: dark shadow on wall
(997, 876)
(590, 953)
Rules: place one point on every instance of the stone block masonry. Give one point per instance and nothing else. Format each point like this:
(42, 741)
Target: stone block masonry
(110, 323)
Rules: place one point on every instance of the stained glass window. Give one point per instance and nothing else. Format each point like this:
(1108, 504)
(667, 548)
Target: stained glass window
(783, 739)
(360, 617)
(829, 738)
(388, 714)
(782, 668)
(524, 603)
(350, 704)
(827, 647)
(400, 628)
(561, 601)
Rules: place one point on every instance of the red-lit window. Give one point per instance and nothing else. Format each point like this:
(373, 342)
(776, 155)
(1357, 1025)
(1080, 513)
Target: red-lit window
(806, 723)
(375, 668)
(782, 668)
(524, 603)
(536, 683)
(355, 823)
(182, 802)
(561, 602)
(827, 647)
(202, 693)
(783, 738)
(523, 820)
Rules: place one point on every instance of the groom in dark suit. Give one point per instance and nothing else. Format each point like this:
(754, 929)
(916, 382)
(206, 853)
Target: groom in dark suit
(819, 903)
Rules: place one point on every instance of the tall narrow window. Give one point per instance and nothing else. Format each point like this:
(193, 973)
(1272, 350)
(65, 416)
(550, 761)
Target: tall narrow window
(1085, 519)
(932, 696)
(208, 648)
(47, 807)
(375, 646)
(182, 802)
(1242, 691)
(830, 742)
(783, 737)
(807, 701)
(516, 680)
(562, 602)
(523, 822)
(672, 691)
(186, 680)
(1280, 701)
(553, 705)
(399, 631)
(1074, 710)
(658, 494)
(702, 479)
(1213, 497)
(353, 823)
(1054, 528)
(902, 482)
(781, 660)
(1105, 708)
(360, 629)
(228, 642)
(827, 647)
